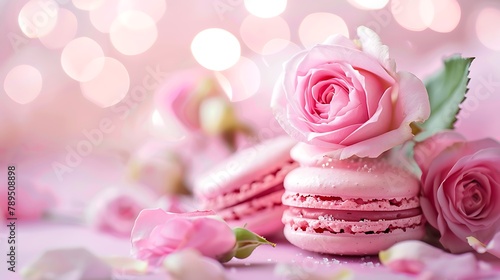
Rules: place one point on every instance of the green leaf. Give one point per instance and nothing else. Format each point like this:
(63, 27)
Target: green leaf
(247, 242)
(446, 91)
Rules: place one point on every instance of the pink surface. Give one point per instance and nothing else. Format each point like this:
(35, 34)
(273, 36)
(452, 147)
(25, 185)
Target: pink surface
(37, 237)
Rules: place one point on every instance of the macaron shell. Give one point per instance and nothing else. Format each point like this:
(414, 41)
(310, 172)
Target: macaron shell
(248, 191)
(350, 244)
(263, 223)
(378, 182)
(245, 166)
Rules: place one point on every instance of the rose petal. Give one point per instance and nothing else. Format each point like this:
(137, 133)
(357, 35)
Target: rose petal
(190, 265)
(419, 258)
(372, 45)
(493, 246)
(426, 151)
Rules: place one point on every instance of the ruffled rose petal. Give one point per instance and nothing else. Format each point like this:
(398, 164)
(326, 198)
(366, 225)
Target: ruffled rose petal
(157, 233)
(372, 45)
(426, 151)
(493, 247)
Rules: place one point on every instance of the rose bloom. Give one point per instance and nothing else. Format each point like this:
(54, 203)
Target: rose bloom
(460, 188)
(115, 209)
(182, 95)
(157, 233)
(346, 98)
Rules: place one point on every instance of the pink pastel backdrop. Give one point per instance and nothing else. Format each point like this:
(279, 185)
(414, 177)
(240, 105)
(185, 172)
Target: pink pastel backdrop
(38, 135)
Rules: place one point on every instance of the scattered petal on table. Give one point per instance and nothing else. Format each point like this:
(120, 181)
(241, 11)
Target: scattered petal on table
(127, 265)
(189, 264)
(67, 264)
(428, 262)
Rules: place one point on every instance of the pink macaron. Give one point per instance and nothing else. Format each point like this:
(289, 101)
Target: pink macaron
(246, 188)
(351, 207)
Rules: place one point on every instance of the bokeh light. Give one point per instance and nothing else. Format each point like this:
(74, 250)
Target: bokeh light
(153, 8)
(110, 86)
(103, 16)
(316, 27)
(488, 34)
(241, 81)
(369, 4)
(23, 83)
(256, 33)
(63, 32)
(38, 18)
(265, 8)
(77, 54)
(412, 14)
(87, 5)
(446, 15)
(216, 49)
(133, 32)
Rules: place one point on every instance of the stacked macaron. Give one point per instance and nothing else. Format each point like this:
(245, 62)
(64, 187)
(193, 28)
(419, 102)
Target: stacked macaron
(246, 189)
(353, 207)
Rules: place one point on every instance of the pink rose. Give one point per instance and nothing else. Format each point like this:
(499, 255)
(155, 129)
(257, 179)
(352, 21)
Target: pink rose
(183, 93)
(156, 165)
(32, 199)
(460, 188)
(157, 233)
(115, 209)
(347, 98)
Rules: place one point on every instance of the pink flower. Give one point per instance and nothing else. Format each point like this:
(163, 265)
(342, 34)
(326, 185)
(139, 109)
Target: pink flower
(157, 166)
(157, 233)
(346, 97)
(460, 188)
(32, 200)
(115, 209)
(182, 95)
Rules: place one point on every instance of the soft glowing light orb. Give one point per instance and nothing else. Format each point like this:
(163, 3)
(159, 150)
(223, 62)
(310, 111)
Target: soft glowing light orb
(241, 81)
(216, 49)
(87, 5)
(38, 18)
(63, 32)
(153, 8)
(369, 4)
(412, 14)
(77, 54)
(133, 32)
(257, 32)
(265, 8)
(23, 83)
(488, 34)
(316, 27)
(110, 86)
(103, 16)
(446, 15)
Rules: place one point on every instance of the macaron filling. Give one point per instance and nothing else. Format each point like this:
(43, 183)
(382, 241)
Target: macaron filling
(338, 203)
(353, 216)
(333, 225)
(265, 185)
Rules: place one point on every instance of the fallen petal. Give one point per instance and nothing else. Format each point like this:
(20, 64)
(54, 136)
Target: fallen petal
(67, 264)
(428, 262)
(189, 264)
